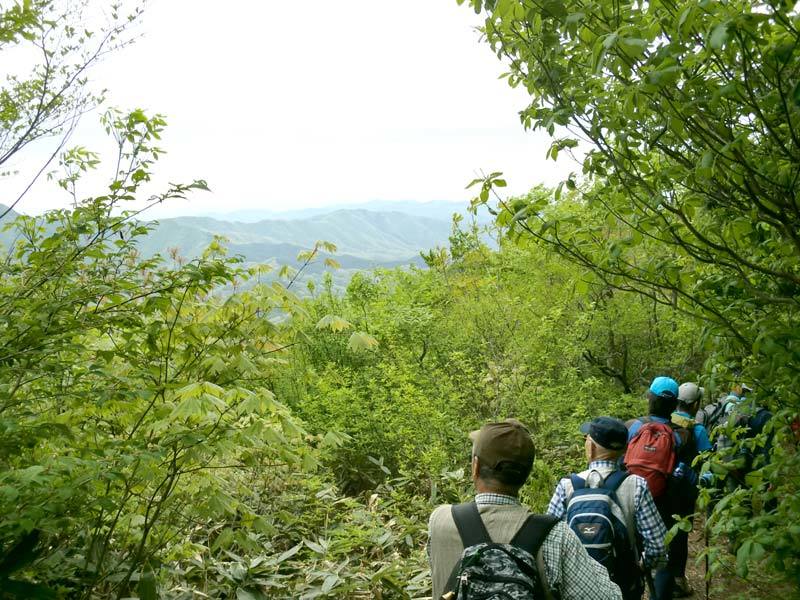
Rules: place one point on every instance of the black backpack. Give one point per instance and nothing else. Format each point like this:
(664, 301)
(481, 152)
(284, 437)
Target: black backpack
(682, 488)
(492, 571)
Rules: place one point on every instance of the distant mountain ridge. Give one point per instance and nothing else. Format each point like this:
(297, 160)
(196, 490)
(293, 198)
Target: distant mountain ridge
(437, 209)
(373, 237)
(365, 238)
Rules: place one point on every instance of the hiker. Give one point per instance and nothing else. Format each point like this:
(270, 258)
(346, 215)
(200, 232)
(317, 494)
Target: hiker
(737, 409)
(639, 521)
(683, 494)
(654, 444)
(553, 557)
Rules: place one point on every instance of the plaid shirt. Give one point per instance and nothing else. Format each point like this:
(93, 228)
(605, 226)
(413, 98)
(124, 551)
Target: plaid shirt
(492, 498)
(570, 570)
(648, 522)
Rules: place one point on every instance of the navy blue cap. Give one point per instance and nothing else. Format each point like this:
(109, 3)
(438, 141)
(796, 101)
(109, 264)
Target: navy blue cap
(608, 432)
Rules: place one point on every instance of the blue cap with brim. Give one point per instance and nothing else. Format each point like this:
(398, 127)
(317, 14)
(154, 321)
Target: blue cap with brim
(664, 386)
(608, 432)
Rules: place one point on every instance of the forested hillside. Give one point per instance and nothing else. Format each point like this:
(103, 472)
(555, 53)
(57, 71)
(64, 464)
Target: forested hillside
(188, 425)
(368, 235)
(364, 239)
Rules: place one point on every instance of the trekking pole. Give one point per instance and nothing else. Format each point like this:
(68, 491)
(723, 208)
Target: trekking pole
(707, 574)
(651, 586)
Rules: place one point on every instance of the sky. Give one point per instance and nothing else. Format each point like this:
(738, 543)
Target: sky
(285, 105)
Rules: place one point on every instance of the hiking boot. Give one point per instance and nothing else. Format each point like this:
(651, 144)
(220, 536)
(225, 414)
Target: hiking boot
(682, 589)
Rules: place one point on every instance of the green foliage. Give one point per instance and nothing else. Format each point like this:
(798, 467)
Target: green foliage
(690, 185)
(48, 99)
(164, 420)
(131, 390)
(482, 335)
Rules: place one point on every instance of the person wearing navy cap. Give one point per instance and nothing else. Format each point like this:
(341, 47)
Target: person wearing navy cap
(502, 459)
(605, 441)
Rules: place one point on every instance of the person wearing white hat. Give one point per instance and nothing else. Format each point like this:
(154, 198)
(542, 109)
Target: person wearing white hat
(689, 397)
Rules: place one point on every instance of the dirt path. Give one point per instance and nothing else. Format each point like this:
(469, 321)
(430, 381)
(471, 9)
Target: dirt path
(695, 573)
(725, 585)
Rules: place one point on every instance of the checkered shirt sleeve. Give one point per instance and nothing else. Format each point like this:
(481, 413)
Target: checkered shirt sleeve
(558, 503)
(649, 525)
(571, 571)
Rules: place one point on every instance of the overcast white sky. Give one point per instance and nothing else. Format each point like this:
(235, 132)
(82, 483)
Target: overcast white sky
(283, 105)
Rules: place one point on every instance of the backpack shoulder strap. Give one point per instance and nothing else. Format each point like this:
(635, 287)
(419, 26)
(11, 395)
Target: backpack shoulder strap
(577, 482)
(530, 538)
(533, 532)
(685, 434)
(472, 531)
(614, 480)
(469, 524)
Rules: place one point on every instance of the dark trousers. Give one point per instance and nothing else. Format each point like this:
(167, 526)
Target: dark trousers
(664, 577)
(678, 554)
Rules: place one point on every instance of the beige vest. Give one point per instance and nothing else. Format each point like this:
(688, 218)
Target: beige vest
(501, 521)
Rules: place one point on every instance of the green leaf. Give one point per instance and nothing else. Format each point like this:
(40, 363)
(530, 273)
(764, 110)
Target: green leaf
(289, 553)
(333, 323)
(189, 407)
(719, 36)
(610, 40)
(315, 547)
(330, 581)
(360, 341)
(245, 594)
(310, 462)
(147, 588)
(796, 94)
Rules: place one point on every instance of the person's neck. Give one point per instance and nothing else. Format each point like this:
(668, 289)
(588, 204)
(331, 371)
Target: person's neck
(483, 488)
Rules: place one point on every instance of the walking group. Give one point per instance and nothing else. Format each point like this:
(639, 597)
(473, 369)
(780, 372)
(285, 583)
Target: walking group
(604, 534)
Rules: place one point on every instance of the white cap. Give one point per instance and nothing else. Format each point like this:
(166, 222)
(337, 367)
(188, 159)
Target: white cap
(690, 393)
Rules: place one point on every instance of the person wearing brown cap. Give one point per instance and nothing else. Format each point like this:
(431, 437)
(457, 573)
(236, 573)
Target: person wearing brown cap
(502, 459)
(605, 441)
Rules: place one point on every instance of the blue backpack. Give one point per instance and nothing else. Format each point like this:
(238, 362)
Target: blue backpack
(594, 514)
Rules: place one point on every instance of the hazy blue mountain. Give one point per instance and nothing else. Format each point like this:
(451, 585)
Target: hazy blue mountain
(365, 239)
(374, 237)
(441, 210)
(7, 236)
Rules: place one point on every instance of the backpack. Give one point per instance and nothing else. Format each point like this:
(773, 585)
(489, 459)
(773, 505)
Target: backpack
(753, 419)
(492, 571)
(712, 415)
(653, 453)
(594, 514)
(684, 427)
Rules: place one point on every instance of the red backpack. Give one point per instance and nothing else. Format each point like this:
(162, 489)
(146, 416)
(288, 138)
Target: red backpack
(652, 454)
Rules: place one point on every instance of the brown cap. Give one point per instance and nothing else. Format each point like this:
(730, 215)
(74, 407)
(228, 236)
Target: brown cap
(507, 440)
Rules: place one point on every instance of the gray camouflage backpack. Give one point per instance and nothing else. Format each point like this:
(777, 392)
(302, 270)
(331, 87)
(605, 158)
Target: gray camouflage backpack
(489, 571)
